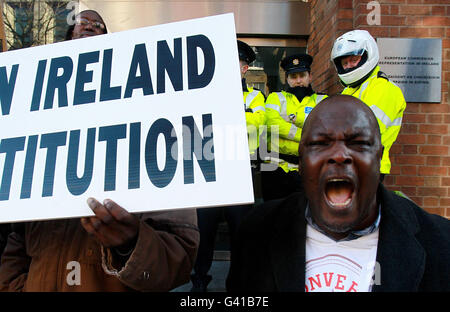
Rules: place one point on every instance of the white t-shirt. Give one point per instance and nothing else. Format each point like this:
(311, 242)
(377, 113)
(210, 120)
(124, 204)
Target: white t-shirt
(344, 266)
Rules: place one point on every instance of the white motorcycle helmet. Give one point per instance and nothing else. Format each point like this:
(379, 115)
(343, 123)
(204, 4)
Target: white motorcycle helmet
(355, 42)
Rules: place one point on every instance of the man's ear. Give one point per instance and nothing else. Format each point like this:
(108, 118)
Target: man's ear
(245, 68)
(300, 154)
(300, 150)
(380, 156)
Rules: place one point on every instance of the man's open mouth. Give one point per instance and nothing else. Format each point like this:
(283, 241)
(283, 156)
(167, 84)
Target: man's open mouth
(87, 34)
(339, 192)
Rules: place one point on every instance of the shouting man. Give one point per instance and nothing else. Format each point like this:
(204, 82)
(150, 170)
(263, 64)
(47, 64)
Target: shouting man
(346, 232)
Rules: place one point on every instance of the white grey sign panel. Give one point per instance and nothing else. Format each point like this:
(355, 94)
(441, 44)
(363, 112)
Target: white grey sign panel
(415, 65)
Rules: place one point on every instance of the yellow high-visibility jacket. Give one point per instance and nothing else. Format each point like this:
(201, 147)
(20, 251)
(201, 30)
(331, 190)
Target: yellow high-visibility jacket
(254, 116)
(387, 102)
(285, 115)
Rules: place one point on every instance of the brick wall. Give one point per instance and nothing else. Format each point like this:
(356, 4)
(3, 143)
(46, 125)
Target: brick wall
(324, 30)
(420, 157)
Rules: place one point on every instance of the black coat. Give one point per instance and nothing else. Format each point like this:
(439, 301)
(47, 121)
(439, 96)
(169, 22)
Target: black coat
(413, 248)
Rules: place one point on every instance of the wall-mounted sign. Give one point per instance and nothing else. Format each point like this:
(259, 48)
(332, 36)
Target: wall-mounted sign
(415, 65)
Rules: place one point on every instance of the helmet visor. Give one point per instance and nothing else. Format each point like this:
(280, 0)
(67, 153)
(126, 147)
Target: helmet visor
(345, 46)
(339, 62)
(359, 52)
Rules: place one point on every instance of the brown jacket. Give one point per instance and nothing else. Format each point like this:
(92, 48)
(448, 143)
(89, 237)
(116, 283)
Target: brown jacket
(45, 256)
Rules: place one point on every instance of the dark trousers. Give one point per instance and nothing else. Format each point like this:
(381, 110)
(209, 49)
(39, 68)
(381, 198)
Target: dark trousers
(208, 222)
(278, 184)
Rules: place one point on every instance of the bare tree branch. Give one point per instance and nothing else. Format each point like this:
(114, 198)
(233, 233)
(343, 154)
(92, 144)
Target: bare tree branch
(33, 22)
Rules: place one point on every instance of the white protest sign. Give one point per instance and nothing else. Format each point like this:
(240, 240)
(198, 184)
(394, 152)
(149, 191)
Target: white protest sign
(152, 118)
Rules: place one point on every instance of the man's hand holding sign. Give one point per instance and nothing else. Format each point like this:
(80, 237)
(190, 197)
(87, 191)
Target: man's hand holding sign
(112, 225)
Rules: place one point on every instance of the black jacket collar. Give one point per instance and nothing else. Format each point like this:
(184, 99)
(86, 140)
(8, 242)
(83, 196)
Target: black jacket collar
(400, 257)
(289, 241)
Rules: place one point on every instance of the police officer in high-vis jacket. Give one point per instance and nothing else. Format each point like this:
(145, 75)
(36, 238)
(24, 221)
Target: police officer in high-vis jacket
(355, 56)
(286, 112)
(209, 218)
(253, 99)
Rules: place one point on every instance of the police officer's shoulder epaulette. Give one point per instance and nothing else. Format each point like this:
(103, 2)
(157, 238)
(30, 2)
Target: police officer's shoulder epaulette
(382, 75)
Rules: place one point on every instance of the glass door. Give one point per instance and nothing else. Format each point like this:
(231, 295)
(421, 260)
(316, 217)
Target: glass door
(265, 73)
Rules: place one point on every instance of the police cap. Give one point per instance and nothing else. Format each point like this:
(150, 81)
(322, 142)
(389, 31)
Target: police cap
(246, 53)
(297, 63)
